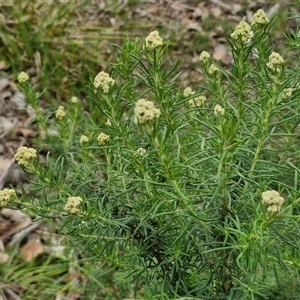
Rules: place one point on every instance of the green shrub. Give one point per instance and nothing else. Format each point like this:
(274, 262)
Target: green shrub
(179, 194)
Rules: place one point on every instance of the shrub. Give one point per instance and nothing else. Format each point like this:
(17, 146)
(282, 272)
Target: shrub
(187, 193)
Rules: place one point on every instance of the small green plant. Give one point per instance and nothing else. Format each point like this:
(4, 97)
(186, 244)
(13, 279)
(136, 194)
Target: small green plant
(179, 193)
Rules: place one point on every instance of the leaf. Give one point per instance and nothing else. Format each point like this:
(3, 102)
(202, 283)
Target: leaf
(32, 249)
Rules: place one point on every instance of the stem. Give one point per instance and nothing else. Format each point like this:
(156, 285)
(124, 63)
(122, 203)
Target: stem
(262, 138)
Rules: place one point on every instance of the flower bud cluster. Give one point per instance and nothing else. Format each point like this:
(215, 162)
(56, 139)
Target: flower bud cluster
(73, 205)
(83, 139)
(60, 113)
(103, 139)
(204, 57)
(23, 77)
(242, 31)
(213, 69)
(7, 195)
(259, 18)
(197, 102)
(219, 110)
(25, 156)
(74, 99)
(272, 201)
(141, 151)
(287, 93)
(145, 111)
(275, 62)
(188, 92)
(153, 40)
(104, 81)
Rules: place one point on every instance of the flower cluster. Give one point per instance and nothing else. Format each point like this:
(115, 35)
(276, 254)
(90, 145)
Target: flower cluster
(145, 111)
(25, 156)
(102, 139)
(275, 61)
(23, 77)
(104, 81)
(153, 40)
(272, 201)
(74, 100)
(188, 92)
(242, 31)
(83, 139)
(204, 57)
(73, 205)
(6, 195)
(197, 102)
(60, 113)
(213, 69)
(141, 151)
(259, 18)
(219, 110)
(287, 93)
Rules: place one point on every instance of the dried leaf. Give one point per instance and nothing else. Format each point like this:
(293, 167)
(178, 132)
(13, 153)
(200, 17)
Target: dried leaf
(32, 249)
(216, 12)
(4, 257)
(221, 53)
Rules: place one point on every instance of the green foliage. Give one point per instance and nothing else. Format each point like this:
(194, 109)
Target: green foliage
(34, 279)
(184, 217)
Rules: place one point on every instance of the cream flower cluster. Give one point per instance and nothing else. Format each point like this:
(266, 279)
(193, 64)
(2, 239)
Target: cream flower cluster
(204, 57)
(272, 201)
(6, 195)
(145, 111)
(83, 139)
(103, 139)
(287, 93)
(219, 110)
(242, 31)
(188, 92)
(104, 81)
(25, 156)
(141, 151)
(259, 18)
(73, 205)
(275, 61)
(60, 113)
(153, 40)
(213, 69)
(197, 102)
(23, 77)
(74, 100)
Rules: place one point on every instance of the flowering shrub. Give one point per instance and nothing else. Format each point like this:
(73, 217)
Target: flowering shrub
(188, 193)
